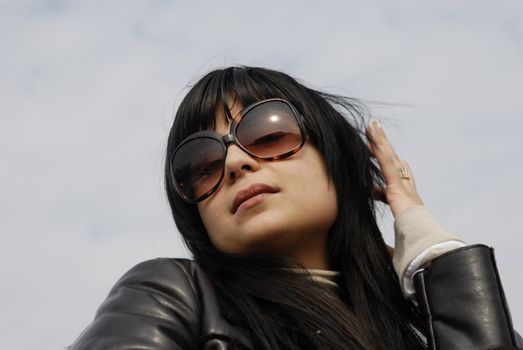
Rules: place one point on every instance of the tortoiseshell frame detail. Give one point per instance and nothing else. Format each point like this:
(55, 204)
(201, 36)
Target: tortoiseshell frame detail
(225, 140)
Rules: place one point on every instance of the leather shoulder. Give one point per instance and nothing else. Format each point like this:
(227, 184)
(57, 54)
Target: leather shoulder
(155, 305)
(462, 300)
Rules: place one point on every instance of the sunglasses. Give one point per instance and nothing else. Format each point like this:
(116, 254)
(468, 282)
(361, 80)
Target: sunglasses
(270, 129)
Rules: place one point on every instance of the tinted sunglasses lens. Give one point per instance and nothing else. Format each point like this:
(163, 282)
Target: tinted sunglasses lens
(198, 167)
(269, 130)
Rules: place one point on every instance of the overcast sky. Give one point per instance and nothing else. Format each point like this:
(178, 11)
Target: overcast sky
(88, 91)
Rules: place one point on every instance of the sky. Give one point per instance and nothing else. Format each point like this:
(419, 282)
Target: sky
(88, 92)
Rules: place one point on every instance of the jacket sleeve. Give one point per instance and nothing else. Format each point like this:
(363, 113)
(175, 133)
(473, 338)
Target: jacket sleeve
(461, 299)
(153, 306)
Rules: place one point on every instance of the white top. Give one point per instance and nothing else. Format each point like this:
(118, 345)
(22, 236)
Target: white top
(327, 277)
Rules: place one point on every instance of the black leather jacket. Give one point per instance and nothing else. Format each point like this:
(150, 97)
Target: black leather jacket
(170, 304)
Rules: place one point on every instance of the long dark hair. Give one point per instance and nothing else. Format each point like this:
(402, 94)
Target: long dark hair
(279, 307)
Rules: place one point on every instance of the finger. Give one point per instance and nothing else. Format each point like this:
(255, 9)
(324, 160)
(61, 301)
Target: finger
(369, 146)
(387, 157)
(370, 142)
(411, 180)
(410, 184)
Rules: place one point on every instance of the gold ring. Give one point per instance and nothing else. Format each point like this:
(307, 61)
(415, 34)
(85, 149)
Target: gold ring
(404, 173)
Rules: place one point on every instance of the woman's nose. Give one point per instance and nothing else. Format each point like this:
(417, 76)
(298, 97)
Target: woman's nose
(238, 163)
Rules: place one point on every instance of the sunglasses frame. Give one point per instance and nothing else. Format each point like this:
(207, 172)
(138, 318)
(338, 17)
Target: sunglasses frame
(230, 138)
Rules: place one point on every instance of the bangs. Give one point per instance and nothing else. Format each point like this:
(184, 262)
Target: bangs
(244, 85)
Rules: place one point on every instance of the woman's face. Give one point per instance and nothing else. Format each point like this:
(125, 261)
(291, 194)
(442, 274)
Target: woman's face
(293, 221)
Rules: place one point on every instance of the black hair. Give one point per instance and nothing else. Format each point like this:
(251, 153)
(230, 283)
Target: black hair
(277, 306)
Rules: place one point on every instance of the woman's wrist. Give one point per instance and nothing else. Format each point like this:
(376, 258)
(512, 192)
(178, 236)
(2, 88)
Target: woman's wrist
(423, 261)
(416, 232)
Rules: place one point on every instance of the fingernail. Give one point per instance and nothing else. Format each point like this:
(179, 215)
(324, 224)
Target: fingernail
(376, 123)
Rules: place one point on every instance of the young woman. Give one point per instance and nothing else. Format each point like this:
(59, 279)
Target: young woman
(273, 187)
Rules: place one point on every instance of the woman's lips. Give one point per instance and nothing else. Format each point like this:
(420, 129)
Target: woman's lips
(251, 196)
(252, 201)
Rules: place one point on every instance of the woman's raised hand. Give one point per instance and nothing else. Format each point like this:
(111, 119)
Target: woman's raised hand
(400, 192)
